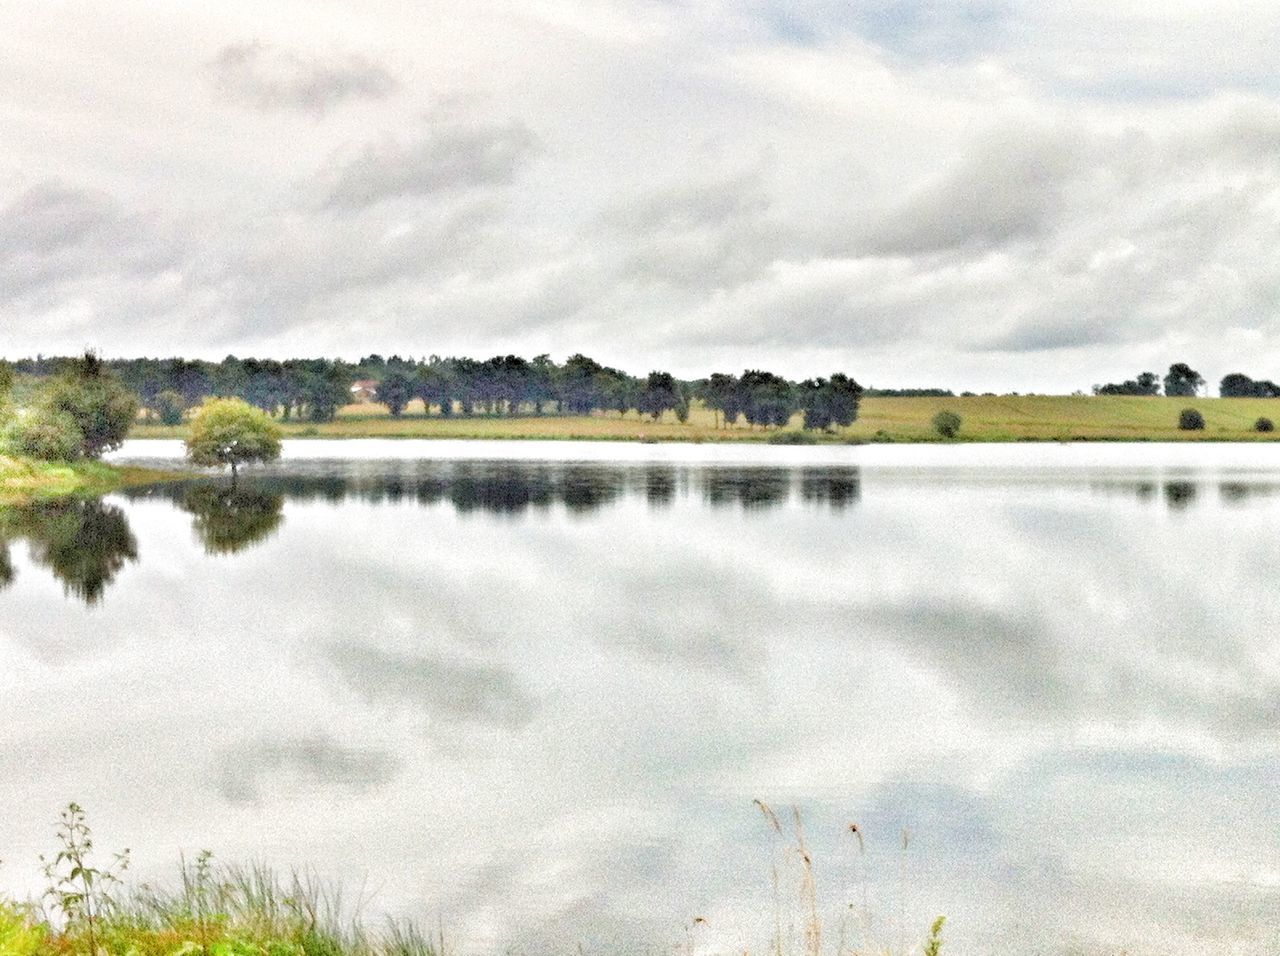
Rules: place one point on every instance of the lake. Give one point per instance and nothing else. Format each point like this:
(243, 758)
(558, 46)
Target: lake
(529, 692)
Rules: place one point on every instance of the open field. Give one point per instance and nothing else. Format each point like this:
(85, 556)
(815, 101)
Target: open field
(23, 480)
(985, 418)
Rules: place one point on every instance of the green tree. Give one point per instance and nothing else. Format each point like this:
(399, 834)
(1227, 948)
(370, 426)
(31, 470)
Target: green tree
(394, 391)
(1190, 420)
(1182, 381)
(170, 407)
(96, 400)
(44, 434)
(229, 431)
(659, 394)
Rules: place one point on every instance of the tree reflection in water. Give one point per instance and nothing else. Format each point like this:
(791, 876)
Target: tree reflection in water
(230, 519)
(84, 543)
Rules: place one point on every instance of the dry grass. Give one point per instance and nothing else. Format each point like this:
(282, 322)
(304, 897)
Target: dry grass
(985, 418)
(798, 919)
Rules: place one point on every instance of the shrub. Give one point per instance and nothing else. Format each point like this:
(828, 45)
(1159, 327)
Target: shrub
(1190, 420)
(170, 407)
(101, 406)
(792, 438)
(1264, 425)
(947, 424)
(45, 434)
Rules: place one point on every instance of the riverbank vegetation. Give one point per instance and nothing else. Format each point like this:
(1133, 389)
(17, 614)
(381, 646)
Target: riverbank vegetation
(510, 397)
(88, 909)
(51, 442)
(24, 480)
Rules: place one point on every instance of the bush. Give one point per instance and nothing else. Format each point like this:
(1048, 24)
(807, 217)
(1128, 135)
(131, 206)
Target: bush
(1190, 420)
(946, 424)
(170, 407)
(792, 438)
(1264, 425)
(99, 404)
(45, 434)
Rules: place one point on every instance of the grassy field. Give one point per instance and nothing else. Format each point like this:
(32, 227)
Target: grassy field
(985, 418)
(23, 480)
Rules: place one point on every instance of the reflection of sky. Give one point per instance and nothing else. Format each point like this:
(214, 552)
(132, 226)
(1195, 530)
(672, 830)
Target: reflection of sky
(548, 725)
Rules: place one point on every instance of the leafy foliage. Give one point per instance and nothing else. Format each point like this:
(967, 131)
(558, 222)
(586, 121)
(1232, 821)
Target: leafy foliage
(1189, 420)
(832, 401)
(1239, 385)
(45, 434)
(1182, 381)
(171, 407)
(99, 403)
(395, 391)
(1148, 383)
(229, 431)
(79, 890)
(1264, 425)
(947, 424)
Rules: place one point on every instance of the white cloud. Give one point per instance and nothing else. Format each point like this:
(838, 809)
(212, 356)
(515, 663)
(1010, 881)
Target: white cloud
(963, 191)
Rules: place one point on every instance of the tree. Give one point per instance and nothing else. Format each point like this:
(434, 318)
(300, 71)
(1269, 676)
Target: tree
(170, 407)
(720, 393)
(658, 395)
(1182, 381)
(767, 399)
(828, 402)
(96, 400)
(394, 391)
(229, 431)
(1190, 420)
(1239, 385)
(947, 424)
(1148, 383)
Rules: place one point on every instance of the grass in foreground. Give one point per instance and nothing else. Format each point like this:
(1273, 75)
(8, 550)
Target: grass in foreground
(984, 418)
(216, 910)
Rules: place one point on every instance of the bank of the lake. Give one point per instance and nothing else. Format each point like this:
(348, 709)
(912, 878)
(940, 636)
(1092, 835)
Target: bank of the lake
(985, 418)
(24, 479)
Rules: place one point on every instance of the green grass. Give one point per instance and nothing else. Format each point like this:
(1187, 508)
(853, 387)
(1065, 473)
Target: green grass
(218, 911)
(215, 910)
(984, 418)
(24, 480)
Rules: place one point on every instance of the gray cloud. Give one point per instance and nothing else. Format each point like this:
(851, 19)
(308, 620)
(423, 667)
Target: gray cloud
(442, 688)
(247, 772)
(447, 158)
(53, 234)
(912, 189)
(268, 78)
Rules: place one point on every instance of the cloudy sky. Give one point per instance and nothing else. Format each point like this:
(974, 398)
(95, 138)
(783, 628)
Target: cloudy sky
(970, 193)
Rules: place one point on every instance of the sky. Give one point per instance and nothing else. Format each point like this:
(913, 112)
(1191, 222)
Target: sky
(970, 194)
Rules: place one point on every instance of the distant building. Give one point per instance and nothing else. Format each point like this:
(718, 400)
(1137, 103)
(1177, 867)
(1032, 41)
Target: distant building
(365, 390)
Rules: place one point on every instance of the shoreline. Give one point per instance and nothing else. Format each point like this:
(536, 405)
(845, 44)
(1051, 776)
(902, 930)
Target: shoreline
(25, 481)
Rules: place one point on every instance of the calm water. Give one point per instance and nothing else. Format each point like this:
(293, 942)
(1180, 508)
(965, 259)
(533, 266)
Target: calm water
(535, 697)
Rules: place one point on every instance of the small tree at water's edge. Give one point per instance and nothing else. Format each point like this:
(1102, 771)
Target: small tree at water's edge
(228, 431)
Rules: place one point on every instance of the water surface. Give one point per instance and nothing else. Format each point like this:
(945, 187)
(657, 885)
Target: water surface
(532, 689)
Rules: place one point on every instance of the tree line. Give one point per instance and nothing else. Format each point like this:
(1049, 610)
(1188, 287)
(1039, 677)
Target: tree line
(314, 389)
(1182, 381)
